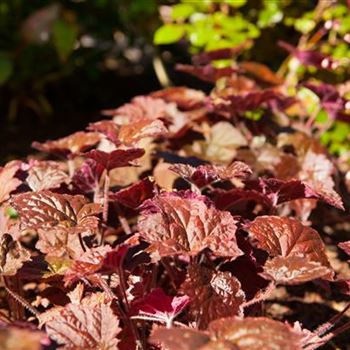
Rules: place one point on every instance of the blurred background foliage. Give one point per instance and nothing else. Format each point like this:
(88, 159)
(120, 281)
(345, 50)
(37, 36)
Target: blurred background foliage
(61, 62)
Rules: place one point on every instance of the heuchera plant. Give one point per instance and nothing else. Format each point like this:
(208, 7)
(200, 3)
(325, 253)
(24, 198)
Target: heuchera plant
(175, 223)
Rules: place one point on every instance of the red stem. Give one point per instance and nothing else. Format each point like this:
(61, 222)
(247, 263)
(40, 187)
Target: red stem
(331, 322)
(105, 203)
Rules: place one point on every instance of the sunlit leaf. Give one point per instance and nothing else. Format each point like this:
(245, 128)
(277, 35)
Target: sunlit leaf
(168, 34)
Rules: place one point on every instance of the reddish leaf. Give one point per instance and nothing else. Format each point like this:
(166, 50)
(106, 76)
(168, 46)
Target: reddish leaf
(183, 223)
(8, 181)
(58, 242)
(180, 338)
(87, 264)
(87, 177)
(251, 333)
(40, 21)
(45, 176)
(141, 107)
(257, 333)
(134, 195)
(317, 171)
(280, 191)
(206, 174)
(291, 246)
(294, 270)
(345, 246)
(12, 255)
(219, 54)
(310, 57)
(213, 294)
(207, 73)
(161, 307)
(47, 210)
(261, 72)
(108, 128)
(115, 159)
(22, 336)
(331, 101)
(131, 133)
(232, 199)
(70, 145)
(185, 98)
(86, 327)
(243, 101)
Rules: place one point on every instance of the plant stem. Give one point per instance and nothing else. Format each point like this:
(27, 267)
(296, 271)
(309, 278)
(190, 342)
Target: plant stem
(71, 167)
(105, 203)
(81, 242)
(123, 222)
(20, 299)
(123, 288)
(331, 322)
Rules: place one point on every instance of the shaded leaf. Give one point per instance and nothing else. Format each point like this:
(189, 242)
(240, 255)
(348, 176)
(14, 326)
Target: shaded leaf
(160, 306)
(134, 195)
(310, 57)
(87, 264)
(249, 99)
(58, 242)
(6, 68)
(115, 159)
(39, 22)
(207, 72)
(184, 97)
(22, 336)
(219, 54)
(203, 175)
(280, 191)
(213, 294)
(12, 255)
(87, 177)
(65, 35)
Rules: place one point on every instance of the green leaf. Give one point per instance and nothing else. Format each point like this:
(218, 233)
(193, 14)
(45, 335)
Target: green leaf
(269, 16)
(220, 44)
(11, 213)
(322, 117)
(304, 25)
(6, 68)
(235, 3)
(64, 37)
(309, 100)
(181, 11)
(169, 34)
(199, 36)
